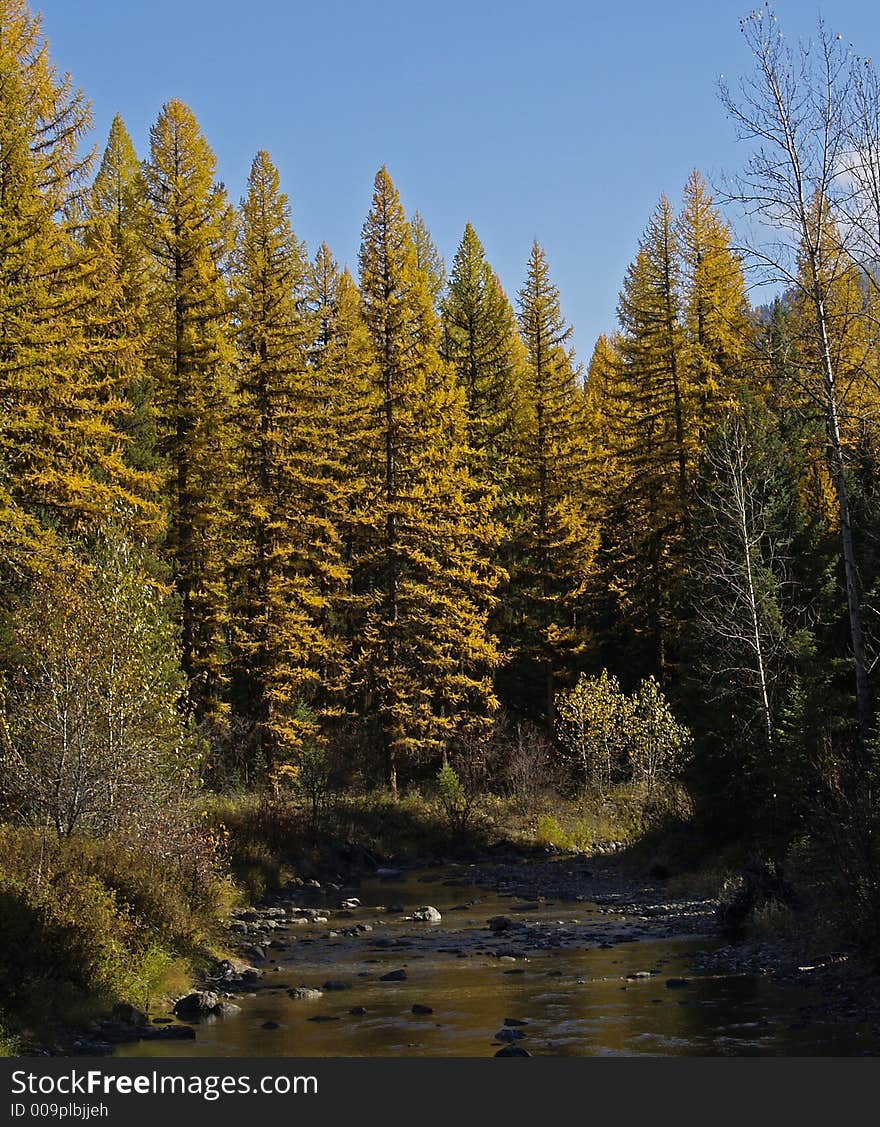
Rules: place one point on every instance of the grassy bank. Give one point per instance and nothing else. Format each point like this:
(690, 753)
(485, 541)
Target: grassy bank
(85, 924)
(273, 838)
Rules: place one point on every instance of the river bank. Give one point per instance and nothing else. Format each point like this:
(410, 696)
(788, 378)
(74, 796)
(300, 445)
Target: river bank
(576, 955)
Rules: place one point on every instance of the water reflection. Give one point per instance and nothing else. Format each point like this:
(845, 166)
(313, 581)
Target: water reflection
(575, 1002)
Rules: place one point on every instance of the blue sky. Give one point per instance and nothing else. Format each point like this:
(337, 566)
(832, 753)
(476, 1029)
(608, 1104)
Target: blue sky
(557, 120)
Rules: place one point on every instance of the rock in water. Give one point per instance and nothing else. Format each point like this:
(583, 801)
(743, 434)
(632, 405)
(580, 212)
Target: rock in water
(304, 992)
(394, 976)
(427, 914)
(505, 923)
(198, 1004)
(513, 1051)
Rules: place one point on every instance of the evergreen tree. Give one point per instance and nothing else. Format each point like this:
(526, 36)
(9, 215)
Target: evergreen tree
(554, 539)
(345, 371)
(481, 342)
(188, 230)
(426, 657)
(289, 560)
(61, 463)
(604, 391)
(117, 207)
(715, 315)
(655, 443)
(428, 258)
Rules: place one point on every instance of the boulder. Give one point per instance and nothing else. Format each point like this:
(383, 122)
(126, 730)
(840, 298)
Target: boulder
(427, 914)
(300, 992)
(505, 923)
(120, 1032)
(197, 1004)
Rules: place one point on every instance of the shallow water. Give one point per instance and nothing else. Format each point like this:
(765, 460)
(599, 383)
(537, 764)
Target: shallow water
(575, 999)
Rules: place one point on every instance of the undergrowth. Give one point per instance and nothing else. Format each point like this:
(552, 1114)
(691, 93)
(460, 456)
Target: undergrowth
(86, 923)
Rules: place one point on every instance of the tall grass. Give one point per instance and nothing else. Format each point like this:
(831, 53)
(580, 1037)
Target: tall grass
(85, 923)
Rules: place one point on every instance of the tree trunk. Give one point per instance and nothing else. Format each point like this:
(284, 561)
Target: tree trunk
(853, 601)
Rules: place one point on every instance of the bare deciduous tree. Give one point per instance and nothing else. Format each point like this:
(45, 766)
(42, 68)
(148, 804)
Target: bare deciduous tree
(740, 572)
(794, 109)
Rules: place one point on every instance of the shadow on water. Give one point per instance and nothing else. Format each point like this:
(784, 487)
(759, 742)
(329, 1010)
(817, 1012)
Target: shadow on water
(573, 999)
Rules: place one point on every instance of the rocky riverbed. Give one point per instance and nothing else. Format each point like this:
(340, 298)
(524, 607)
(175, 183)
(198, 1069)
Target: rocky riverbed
(513, 955)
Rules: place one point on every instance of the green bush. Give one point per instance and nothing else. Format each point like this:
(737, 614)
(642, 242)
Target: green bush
(453, 798)
(312, 781)
(549, 832)
(61, 940)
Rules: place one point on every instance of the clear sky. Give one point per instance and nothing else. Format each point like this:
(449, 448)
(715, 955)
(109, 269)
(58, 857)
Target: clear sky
(557, 120)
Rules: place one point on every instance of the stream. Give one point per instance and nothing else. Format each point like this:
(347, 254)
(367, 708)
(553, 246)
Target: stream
(608, 971)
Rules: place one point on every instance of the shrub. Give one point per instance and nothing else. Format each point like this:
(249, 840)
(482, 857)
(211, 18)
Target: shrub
(84, 923)
(8, 1044)
(65, 936)
(454, 799)
(311, 780)
(549, 832)
(524, 761)
(657, 742)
